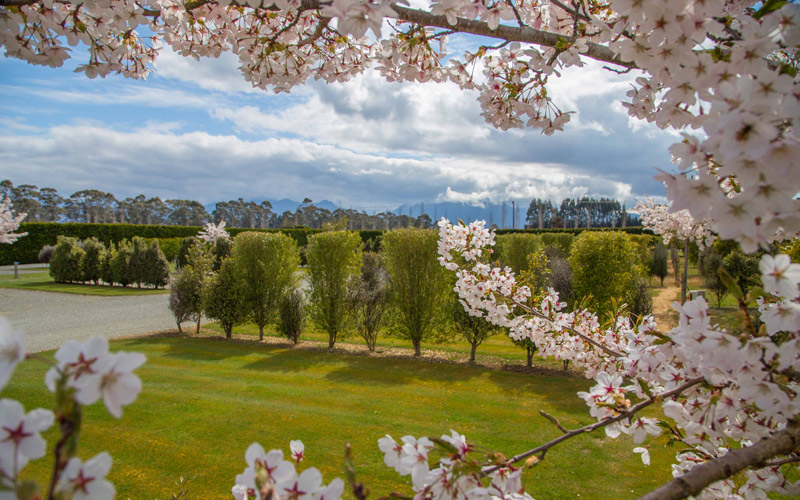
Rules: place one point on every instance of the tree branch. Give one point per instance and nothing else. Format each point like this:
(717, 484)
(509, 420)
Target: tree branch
(521, 34)
(510, 33)
(781, 443)
(602, 423)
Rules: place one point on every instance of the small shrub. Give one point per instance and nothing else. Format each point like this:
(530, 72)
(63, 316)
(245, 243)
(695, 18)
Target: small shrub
(92, 260)
(170, 247)
(605, 266)
(367, 297)
(513, 249)
(709, 264)
(197, 274)
(65, 264)
(106, 269)
(120, 264)
(537, 273)
(658, 265)
(561, 241)
(46, 253)
(641, 303)
(138, 266)
(561, 278)
(181, 296)
(292, 316)
(157, 270)
(225, 299)
(183, 250)
(222, 250)
(743, 268)
(473, 329)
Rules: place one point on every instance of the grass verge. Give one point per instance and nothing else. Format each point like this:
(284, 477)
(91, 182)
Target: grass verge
(43, 282)
(205, 400)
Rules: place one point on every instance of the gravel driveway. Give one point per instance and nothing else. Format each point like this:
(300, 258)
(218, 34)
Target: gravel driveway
(48, 319)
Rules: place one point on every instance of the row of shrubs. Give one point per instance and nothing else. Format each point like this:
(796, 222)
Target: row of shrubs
(402, 290)
(25, 250)
(90, 261)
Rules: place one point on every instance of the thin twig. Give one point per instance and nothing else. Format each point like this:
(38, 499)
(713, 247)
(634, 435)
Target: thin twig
(553, 420)
(597, 425)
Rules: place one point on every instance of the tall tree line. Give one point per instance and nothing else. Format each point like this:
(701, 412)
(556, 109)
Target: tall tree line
(94, 206)
(579, 213)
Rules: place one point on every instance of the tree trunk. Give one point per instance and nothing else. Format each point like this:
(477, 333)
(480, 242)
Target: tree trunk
(331, 340)
(529, 360)
(197, 330)
(228, 331)
(261, 333)
(473, 348)
(685, 270)
(416, 347)
(180, 330)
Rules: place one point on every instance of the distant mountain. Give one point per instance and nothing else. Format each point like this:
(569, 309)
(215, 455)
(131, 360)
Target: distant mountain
(280, 206)
(492, 213)
(285, 204)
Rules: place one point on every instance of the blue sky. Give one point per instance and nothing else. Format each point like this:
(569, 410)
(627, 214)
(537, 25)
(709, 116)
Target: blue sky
(197, 130)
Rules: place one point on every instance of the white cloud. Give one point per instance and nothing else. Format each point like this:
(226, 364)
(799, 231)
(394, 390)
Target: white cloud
(219, 74)
(157, 161)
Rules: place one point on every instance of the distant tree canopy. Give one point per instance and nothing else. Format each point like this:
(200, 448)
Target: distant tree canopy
(94, 206)
(578, 213)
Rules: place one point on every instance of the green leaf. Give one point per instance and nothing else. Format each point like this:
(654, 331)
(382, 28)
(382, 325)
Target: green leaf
(27, 490)
(444, 445)
(769, 6)
(730, 284)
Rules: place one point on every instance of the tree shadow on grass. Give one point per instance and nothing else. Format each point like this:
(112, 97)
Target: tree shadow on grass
(359, 368)
(190, 347)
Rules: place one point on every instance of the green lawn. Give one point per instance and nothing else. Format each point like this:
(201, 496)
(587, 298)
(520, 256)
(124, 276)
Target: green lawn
(205, 400)
(497, 349)
(43, 282)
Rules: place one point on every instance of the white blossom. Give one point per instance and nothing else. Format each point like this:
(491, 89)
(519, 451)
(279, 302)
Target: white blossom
(87, 480)
(12, 350)
(20, 439)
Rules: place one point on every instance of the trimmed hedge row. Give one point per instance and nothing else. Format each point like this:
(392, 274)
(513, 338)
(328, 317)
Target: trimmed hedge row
(26, 249)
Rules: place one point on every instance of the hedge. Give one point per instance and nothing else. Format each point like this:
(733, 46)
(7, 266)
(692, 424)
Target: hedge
(26, 249)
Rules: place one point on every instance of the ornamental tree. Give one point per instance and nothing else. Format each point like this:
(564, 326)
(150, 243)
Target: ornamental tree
(417, 286)
(9, 222)
(334, 259)
(267, 263)
(676, 225)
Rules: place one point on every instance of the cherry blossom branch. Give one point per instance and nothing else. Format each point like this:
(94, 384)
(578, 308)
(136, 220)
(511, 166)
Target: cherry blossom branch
(597, 425)
(700, 476)
(591, 341)
(510, 33)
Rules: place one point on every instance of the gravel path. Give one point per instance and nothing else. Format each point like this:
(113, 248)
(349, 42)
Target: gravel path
(48, 319)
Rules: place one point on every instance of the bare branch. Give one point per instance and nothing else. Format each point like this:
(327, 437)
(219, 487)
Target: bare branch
(618, 71)
(553, 420)
(321, 25)
(781, 443)
(597, 425)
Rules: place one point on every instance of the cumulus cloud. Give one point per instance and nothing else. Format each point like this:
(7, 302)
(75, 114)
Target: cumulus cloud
(158, 161)
(198, 130)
